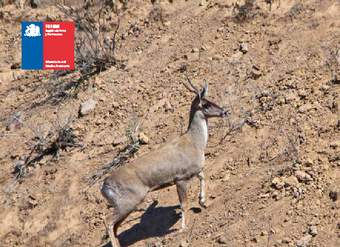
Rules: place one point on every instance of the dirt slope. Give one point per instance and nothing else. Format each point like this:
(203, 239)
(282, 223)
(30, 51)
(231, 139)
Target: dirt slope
(272, 182)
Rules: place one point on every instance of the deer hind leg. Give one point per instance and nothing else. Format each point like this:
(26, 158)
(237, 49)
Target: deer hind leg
(182, 195)
(202, 189)
(113, 227)
(123, 206)
(112, 230)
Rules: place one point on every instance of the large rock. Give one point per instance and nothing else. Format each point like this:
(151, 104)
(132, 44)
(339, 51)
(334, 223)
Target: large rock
(303, 176)
(87, 107)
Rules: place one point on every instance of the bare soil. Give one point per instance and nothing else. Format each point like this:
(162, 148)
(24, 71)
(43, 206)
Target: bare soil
(272, 166)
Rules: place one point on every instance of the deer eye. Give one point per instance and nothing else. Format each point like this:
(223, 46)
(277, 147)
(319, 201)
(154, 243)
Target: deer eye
(206, 105)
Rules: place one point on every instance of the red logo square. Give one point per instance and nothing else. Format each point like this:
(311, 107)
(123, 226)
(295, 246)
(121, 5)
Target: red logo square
(58, 42)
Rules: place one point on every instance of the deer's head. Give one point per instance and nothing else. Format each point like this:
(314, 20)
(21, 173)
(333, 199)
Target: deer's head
(201, 103)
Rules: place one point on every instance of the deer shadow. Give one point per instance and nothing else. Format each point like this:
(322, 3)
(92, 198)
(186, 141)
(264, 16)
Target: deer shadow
(155, 222)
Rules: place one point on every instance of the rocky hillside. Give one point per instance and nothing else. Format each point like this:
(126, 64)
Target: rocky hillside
(272, 166)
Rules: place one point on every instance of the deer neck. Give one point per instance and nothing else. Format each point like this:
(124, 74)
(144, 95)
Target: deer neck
(198, 129)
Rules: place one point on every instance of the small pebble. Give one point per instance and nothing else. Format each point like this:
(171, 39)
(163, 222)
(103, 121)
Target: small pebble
(144, 139)
(222, 240)
(313, 230)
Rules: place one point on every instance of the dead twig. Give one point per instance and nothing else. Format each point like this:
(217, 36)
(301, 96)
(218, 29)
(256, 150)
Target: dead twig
(118, 161)
(128, 151)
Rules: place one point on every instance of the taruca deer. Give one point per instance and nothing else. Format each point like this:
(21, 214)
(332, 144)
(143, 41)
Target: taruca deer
(176, 162)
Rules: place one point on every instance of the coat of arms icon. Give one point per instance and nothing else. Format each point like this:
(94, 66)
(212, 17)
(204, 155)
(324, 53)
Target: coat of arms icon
(32, 31)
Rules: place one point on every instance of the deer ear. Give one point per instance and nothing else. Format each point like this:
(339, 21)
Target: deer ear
(204, 91)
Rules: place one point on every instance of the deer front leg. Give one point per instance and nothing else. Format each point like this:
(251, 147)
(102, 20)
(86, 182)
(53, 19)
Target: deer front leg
(202, 189)
(182, 195)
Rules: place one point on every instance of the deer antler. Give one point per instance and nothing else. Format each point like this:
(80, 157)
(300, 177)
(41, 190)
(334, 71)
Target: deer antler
(193, 88)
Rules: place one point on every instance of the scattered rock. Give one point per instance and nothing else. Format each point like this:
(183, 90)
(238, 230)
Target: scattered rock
(87, 107)
(115, 104)
(184, 243)
(104, 139)
(313, 231)
(50, 18)
(202, 3)
(304, 241)
(255, 73)
(15, 66)
(13, 156)
(235, 58)
(144, 139)
(222, 240)
(119, 140)
(302, 93)
(15, 122)
(217, 57)
(297, 192)
(195, 49)
(305, 108)
(226, 177)
(274, 41)
(102, 98)
(264, 195)
(204, 47)
(335, 144)
(254, 239)
(309, 162)
(280, 100)
(291, 97)
(244, 47)
(167, 23)
(333, 195)
(21, 88)
(336, 79)
(291, 181)
(276, 195)
(303, 176)
(325, 88)
(286, 240)
(295, 10)
(278, 183)
(183, 68)
(35, 3)
(31, 202)
(192, 56)
(220, 29)
(168, 107)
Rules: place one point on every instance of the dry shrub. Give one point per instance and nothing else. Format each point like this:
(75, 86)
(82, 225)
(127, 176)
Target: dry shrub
(47, 141)
(246, 11)
(96, 42)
